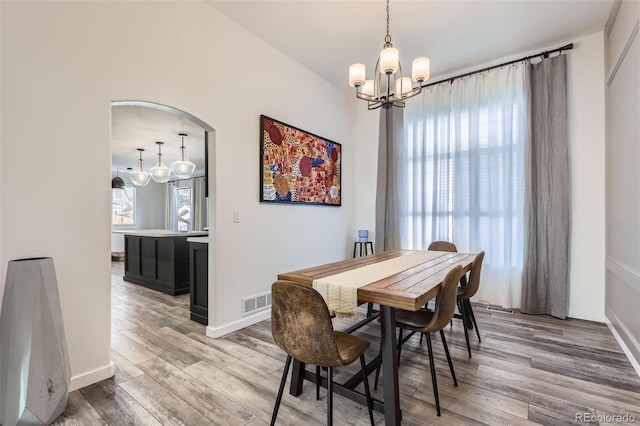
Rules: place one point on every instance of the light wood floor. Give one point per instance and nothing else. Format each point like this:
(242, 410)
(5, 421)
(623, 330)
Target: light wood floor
(527, 370)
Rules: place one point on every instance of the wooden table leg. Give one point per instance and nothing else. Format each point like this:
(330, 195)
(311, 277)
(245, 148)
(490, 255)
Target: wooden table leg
(392, 414)
(297, 377)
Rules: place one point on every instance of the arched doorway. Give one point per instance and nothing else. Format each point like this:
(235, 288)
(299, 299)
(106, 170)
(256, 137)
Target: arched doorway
(141, 124)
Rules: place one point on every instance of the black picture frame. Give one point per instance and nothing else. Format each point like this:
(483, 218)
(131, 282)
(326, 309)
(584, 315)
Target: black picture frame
(298, 167)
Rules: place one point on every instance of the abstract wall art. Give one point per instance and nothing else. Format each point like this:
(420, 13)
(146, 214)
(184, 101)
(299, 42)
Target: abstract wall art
(298, 166)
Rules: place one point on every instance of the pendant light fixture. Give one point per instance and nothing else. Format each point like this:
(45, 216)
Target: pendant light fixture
(183, 168)
(117, 182)
(139, 177)
(160, 173)
(388, 88)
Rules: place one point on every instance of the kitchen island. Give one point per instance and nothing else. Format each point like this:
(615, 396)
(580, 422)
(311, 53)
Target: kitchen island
(158, 259)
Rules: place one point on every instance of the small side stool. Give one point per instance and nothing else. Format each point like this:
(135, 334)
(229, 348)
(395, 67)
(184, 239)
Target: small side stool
(364, 247)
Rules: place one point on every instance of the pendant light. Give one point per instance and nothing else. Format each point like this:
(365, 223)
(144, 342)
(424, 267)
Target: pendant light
(183, 168)
(139, 177)
(160, 173)
(117, 182)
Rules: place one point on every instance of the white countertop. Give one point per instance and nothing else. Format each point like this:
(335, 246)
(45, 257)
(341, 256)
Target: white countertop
(204, 240)
(159, 233)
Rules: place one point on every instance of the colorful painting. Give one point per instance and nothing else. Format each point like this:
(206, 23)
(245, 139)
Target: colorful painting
(297, 166)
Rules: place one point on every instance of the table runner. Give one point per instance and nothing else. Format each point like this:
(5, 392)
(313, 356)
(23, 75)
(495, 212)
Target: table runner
(340, 291)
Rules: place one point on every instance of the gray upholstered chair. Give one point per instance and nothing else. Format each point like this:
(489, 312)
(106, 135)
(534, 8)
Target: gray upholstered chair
(450, 247)
(467, 292)
(442, 246)
(301, 326)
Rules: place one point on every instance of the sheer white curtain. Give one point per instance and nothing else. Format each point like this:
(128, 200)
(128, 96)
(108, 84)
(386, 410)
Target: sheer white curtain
(464, 173)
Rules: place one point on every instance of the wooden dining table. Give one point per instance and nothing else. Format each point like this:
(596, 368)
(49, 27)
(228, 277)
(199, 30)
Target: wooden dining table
(410, 290)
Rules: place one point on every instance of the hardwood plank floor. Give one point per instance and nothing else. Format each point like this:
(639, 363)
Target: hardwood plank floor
(527, 370)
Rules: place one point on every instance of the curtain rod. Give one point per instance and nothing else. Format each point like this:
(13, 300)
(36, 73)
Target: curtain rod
(544, 54)
(189, 178)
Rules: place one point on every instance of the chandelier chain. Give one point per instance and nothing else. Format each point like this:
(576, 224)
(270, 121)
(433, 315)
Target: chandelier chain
(387, 38)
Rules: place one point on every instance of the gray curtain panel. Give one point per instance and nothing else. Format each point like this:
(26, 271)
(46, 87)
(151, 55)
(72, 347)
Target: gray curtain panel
(387, 193)
(545, 284)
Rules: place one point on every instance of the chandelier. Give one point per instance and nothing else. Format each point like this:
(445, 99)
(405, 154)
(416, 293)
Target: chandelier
(389, 88)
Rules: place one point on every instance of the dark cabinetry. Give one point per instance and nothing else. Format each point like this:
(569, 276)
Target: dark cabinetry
(159, 263)
(199, 281)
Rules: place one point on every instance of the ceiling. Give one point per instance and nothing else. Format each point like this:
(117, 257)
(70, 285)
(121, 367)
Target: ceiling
(135, 126)
(327, 36)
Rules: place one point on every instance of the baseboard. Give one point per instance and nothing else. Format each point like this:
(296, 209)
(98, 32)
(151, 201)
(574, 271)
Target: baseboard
(237, 325)
(587, 316)
(621, 342)
(91, 377)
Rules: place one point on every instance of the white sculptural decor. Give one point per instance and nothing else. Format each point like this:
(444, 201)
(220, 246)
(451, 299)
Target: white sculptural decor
(34, 363)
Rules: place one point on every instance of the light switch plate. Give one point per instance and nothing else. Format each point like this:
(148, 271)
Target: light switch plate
(236, 216)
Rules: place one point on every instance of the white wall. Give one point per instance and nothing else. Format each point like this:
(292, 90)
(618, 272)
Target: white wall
(62, 65)
(585, 79)
(366, 125)
(586, 134)
(622, 181)
(150, 206)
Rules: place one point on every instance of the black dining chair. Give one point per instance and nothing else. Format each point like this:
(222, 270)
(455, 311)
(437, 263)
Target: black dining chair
(301, 326)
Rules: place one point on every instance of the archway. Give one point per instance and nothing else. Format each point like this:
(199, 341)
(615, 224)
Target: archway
(167, 123)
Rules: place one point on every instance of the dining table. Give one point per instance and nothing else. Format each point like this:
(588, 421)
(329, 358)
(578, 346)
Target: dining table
(404, 284)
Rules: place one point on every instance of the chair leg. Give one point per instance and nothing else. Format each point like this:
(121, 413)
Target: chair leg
(369, 309)
(375, 383)
(434, 381)
(475, 324)
(463, 311)
(399, 345)
(317, 382)
(330, 396)
(367, 391)
(421, 336)
(281, 390)
(446, 351)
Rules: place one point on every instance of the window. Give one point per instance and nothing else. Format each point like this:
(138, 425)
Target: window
(183, 208)
(123, 206)
(462, 170)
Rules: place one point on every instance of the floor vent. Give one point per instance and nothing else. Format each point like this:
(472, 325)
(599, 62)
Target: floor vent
(498, 308)
(256, 303)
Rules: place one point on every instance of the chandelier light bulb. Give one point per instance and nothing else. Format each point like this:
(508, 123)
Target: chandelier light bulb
(420, 69)
(369, 88)
(389, 60)
(403, 87)
(357, 74)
